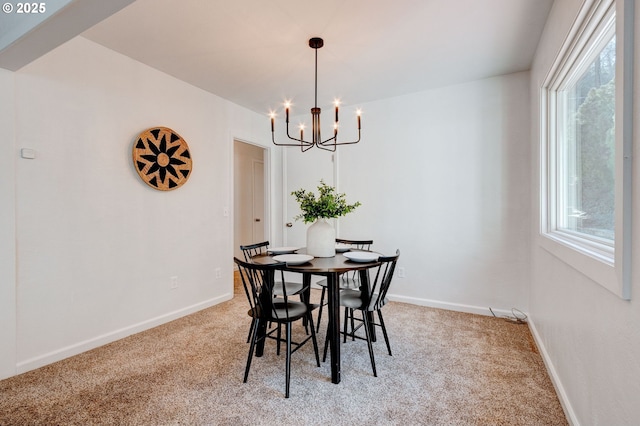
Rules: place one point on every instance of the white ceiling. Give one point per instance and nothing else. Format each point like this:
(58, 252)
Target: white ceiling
(255, 53)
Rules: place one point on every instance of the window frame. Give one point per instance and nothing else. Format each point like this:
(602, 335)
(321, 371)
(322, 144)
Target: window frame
(605, 263)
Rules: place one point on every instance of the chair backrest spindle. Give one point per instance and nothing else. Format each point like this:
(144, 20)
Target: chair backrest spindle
(258, 281)
(382, 281)
(251, 250)
(357, 245)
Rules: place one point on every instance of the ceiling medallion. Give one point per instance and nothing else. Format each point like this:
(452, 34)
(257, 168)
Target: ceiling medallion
(161, 158)
(329, 144)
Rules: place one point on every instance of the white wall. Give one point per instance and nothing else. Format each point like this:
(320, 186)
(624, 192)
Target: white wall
(7, 228)
(97, 246)
(443, 175)
(589, 337)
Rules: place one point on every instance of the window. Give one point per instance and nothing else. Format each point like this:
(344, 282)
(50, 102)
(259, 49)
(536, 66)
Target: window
(585, 163)
(585, 146)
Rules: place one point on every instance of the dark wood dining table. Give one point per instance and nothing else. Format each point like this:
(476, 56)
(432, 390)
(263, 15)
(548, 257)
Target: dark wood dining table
(332, 268)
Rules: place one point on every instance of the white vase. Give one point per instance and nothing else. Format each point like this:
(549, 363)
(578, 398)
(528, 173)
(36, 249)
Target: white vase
(321, 239)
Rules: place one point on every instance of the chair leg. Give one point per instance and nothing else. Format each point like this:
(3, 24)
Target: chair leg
(279, 339)
(254, 333)
(326, 346)
(322, 296)
(253, 321)
(353, 326)
(384, 331)
(346, 319)
(304, 298)
(368, 334)
(314, 340)
(288, 361)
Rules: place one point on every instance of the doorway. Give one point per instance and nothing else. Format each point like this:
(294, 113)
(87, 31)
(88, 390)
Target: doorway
(249, 186)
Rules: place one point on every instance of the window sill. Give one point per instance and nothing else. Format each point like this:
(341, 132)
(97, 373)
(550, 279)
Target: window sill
(595, 265)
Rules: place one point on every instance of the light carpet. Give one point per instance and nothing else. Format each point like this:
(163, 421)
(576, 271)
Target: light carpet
(447, 368)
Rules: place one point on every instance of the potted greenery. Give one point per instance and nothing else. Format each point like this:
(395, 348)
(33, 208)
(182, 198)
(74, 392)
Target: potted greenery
(321, 236)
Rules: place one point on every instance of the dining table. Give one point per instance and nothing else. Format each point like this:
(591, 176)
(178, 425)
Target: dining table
(331, 268)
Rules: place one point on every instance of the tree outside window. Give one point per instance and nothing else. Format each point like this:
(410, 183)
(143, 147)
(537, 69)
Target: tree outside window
(587, 149)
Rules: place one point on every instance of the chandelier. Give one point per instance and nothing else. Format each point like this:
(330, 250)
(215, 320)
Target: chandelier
(329, 144)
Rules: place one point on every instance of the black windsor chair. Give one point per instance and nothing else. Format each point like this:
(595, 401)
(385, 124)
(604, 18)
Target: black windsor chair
(369, 301)
(292, 288)
(347, 281)
(257, 281)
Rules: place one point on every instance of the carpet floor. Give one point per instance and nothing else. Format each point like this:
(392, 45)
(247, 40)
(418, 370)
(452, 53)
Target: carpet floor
(447, 368)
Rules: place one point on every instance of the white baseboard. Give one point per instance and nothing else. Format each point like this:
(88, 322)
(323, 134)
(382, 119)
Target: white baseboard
(562, 395)
(470, 309)
(77, 348)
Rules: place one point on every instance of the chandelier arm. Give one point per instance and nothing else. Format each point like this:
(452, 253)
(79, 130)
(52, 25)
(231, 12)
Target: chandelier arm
(325, 142)
(303, 149)
(332, 147)
(303, 143)
(339, 143)
(336, 143)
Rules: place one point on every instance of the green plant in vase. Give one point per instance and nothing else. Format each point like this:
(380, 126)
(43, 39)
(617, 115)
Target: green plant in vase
(327, 204)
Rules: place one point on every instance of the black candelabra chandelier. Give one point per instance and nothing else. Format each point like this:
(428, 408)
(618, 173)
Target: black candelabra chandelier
(329, 144)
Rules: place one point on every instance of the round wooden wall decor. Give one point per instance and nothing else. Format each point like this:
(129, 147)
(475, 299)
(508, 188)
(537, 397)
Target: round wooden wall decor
(161, 158)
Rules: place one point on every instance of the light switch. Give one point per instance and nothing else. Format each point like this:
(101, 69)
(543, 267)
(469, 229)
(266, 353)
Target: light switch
(28, 153)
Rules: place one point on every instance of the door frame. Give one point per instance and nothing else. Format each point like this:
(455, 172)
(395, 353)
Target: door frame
(267, 188)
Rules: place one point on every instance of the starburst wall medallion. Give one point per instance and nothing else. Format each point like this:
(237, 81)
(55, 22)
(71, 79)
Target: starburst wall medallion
(161, 158)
